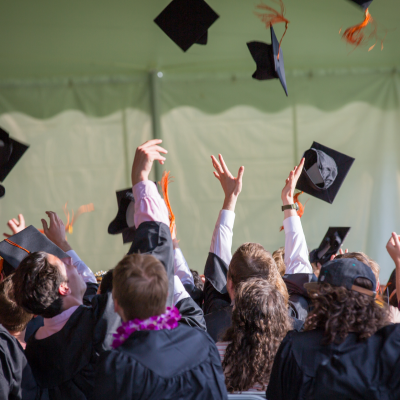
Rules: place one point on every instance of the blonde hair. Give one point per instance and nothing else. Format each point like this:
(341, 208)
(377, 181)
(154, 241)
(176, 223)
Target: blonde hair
(279, 257)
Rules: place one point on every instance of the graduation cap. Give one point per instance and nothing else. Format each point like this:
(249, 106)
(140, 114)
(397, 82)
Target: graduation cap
(324, 172)
(269, 64)
(14, 249)
(330, 245)
(364, 4)
(122, 223)
(10, 153)
(186, 22)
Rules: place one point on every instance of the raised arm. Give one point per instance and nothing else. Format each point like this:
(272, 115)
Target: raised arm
(296, 251)
(393, 248)
(56, 233)
(219, 257)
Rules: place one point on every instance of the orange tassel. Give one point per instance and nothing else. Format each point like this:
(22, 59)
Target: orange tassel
(300, 211)
(355, 35)
(81, 210)
(273, 17)
(165, 180)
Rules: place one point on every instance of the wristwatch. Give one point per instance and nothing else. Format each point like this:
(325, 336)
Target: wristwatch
(294, 206)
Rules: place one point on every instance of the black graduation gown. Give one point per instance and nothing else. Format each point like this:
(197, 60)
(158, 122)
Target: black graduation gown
(195, 293)
(182, 363)
(299, 300)
(16, 378)
(64, 363)
(304, 368)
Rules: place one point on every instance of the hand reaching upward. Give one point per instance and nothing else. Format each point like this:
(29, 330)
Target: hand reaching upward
(291, 182)
(230, 185)
(144, 157)
(16, 225)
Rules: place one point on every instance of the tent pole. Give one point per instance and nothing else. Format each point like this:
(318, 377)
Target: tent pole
(126, 142)
(295, 135)
(154, 78)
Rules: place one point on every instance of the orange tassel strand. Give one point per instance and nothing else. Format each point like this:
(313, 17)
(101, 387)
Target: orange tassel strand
(300, 211)
(165, 180)
(273, 17)
(355, 35)
(81, 210)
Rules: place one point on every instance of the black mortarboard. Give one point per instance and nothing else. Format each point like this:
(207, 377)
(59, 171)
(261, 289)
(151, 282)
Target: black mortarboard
(269, 66)
(10, 153)
(324, 172)
(186, 22)
(362, 3)
(330, 245)
(125, 215)
(14, 249)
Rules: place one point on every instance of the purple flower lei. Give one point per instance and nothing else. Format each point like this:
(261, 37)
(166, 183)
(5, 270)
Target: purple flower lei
(168, 321)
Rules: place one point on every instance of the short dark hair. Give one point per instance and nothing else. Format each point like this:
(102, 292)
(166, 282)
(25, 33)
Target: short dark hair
(197, 280)
(339, 311)
(12, 317)
(140, 285)
(36, 282)
(106, 284)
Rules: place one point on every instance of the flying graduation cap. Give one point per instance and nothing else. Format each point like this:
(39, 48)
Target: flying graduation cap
(10, 153)
(324, 171)
(269, 60)
(330, 245)
(17, 247)
(364, 4)
(124, 221)
(186, 22)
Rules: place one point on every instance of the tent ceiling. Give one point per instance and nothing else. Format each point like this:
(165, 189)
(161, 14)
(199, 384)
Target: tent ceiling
(47, 38)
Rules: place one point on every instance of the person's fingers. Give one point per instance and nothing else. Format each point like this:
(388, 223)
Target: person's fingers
(158, 149)
(333, 256)
(346, 251)
(21, 219)
(15, 221)
(45, 226)
(149, 143)
(217, 166)
(6, 235)
(299, 168)
(154, 155)
(52, 217)
(396, 240)
(341, 251)
(240, 174)
(12, 225)
(216, 175)
(223, 165)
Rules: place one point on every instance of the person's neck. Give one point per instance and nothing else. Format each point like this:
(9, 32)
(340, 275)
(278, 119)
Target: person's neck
(70, 301)
(20, 336)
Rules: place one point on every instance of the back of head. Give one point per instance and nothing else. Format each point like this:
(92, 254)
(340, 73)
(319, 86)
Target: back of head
(140, 285)
(197, 280)
(12, 317)
(251, 260)
(279, 257)
(260, 321)
(340, 311)
(106, 284)
(364, 259)
(36, 282)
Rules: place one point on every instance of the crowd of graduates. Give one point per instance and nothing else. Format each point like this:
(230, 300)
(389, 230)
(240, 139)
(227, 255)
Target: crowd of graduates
(287, 324)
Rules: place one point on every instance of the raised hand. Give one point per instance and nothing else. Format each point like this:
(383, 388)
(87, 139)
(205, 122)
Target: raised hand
(393, 248)
(143, 161)
(56, 231)
(333, 256)
(291, 182)
(230, 185)
(16, 226)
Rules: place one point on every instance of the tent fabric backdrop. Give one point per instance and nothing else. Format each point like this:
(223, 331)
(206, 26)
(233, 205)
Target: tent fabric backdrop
(83, 135)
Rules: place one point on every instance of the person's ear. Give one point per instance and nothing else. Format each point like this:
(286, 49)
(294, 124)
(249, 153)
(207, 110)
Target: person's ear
(118, 309)
(230, 288)
(63, 289)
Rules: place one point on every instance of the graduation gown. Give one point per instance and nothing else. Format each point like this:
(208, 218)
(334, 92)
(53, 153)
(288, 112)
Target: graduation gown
(182, 363)
(16, 378)
(304, 368)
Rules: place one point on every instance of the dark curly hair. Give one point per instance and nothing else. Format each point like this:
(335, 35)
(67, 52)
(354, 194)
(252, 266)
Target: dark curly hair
(106, 284)
(260, 321)
(339, 311)
(36, 282)
(197, 280)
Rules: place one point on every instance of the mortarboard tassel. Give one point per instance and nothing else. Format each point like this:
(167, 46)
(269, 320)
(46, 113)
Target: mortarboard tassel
(165, 180)
(300, 211)
(355, 35)
(274, 17)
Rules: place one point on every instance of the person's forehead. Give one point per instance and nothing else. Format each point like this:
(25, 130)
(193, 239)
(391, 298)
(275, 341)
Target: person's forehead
(56, 261)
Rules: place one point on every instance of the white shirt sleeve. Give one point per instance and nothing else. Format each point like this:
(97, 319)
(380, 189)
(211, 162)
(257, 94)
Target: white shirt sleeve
(296, 251)
(221, 242)
(84, 271)
(181, 268)
(180, 292)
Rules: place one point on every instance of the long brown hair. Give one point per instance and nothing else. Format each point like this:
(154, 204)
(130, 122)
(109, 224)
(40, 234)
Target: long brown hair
(260, 321)
(251, 260)
(339, 311)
